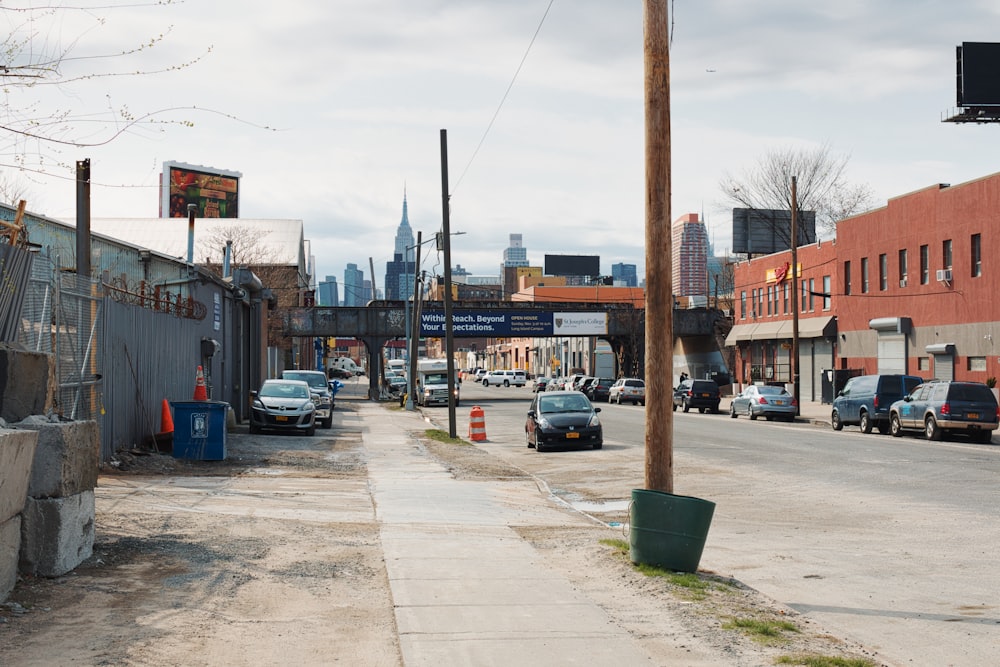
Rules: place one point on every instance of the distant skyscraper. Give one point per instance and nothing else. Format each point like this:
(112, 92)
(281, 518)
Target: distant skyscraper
(354, 280)
(516, 254)
(401, 271)
(690, 256)
(624, 274)
(329, 294)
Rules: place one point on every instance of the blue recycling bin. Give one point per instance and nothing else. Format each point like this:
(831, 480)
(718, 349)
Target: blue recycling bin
(200, 430)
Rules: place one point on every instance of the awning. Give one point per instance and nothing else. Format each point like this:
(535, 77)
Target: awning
(811, 327)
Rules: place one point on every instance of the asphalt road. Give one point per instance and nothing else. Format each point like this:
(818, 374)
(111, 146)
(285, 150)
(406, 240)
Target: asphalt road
(890, 541)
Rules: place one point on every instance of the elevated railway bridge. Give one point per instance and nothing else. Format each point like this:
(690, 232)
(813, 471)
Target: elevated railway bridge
(621, 325)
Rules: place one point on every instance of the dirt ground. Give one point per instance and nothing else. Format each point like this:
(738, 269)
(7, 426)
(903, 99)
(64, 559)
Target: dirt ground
(198, 588)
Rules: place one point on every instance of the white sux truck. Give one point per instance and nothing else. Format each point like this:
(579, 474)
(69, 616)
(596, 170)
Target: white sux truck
(431, 383)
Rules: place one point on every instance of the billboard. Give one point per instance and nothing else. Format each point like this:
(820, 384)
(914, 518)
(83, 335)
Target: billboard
(978, 64)
(513, 323)
(214, 192)
(766, 231)
(572, 265)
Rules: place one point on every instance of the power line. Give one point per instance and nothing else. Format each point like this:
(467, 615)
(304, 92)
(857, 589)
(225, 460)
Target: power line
(504, 99)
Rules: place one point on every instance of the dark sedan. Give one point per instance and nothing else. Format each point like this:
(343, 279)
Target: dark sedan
(599, 389)
(563, 418)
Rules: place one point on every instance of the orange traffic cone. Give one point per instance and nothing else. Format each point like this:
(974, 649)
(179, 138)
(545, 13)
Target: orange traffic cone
(200, 391)
(166, 421)
(477, 424)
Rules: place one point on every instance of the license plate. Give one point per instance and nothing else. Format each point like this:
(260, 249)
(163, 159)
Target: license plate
(572, 434)
(704, 395)
(972, 415)
(281, 418)
(779, 402)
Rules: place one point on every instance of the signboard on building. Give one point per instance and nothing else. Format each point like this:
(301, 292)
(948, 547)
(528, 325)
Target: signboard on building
(215, 192)
(507, 324)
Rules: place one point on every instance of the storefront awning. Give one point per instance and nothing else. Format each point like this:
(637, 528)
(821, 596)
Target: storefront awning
(810, 327)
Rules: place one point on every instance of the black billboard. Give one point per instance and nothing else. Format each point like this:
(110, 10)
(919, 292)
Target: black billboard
(978, 66)
(572, 265)
(766, 231)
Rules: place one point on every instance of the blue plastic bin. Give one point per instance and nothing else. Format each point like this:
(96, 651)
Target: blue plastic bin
(200, 430)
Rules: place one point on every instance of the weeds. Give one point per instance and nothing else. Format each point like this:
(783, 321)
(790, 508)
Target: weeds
(443, 436)
(764, 631)
(695, 586)
(823, 661)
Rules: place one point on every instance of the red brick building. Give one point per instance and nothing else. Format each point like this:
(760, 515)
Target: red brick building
(910, 289)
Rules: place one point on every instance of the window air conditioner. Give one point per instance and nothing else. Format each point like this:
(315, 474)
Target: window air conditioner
(944, 275)
(902, 282)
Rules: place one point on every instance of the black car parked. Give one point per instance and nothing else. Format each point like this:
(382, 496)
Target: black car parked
(701, 394)
(865, 400)
(597, 391)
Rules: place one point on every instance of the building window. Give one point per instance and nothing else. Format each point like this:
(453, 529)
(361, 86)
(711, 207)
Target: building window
(923, 363)
(946, 254)
(770, 299)
(812, 293)
(864, 275)
(802, 299)
(903, 267)
(925, 265)
(760, 301)
(743, 305)
(977, 255)
(827, 297)
(753, 303)
(883, 272)
(784, 308)
(977, 364)
(847, 278)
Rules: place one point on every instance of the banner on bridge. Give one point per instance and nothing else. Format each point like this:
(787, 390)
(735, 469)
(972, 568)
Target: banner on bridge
(514, 323)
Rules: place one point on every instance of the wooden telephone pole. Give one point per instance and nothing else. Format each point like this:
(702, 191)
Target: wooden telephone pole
(659, 278)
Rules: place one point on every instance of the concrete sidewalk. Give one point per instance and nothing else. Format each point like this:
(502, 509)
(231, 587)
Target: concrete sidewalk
(467, 589)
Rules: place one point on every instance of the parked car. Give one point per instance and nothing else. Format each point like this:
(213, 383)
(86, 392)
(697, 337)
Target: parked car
(556, 384)
(562, 418)
(572, 379)
(939, 408)
(480, 374)
(581, 383)
(539, 384)
(764, 401)
(319, 387)
(701, 394)
(597, 391)
(283, 405)
(865, 400)
(506, 378)
(632, 390)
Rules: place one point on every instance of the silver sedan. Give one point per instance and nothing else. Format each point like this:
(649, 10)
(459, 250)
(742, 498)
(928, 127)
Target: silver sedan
(764, 401)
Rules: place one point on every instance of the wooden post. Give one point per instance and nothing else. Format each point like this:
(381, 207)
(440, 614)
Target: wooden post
(659, 280)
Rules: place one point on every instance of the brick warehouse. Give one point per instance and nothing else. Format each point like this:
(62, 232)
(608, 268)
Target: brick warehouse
(910, 289)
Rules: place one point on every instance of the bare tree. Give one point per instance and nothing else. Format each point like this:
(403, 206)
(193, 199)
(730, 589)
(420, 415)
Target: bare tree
(821, 186)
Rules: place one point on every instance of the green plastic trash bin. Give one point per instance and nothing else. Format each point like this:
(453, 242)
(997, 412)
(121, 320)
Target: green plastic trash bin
(668, 530)
(200, 430)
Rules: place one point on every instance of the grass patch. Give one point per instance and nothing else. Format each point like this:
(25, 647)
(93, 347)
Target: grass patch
(442, 436)
(764, 631)
(823, 661)
(694, 586)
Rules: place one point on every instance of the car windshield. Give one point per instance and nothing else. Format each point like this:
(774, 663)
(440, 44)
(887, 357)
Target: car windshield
(282, 390)
(634, 383)
(436, 378)
(315, 380)
(771, 391)
(553, 404)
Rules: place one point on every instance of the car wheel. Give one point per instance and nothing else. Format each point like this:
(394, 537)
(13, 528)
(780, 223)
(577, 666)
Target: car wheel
(538, 444)
(865, 422)
(883, 428)
(895, 427)
(642, 403)
(506, 383)
(931, 429)
(750, 413)
(675, 407)
(686, 406)
(599, 445)
(619, 399)
(984, 436)
(732, 411)
(701, 410)
(527, 438)
(312, 430)
(328, 422)
(254, 428)
(835, 421)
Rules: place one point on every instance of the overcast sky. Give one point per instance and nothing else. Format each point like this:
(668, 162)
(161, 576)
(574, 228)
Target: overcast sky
(358, 91)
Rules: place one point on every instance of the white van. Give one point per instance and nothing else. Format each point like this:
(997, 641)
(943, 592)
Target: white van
(345, 367)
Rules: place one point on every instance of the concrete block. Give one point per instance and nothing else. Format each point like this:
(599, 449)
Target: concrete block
(10, 547)
(57, 534)
(25, 383)
(66, 459)
(17, 454)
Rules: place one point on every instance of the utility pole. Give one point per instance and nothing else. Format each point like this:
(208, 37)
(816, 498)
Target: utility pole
(659, 280)
(449, 329)
(795, 300)
(413, 336)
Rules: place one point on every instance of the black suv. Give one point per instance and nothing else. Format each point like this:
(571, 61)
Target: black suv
(865, 400)
(939, 408)
(701, 394)
(598, 389)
